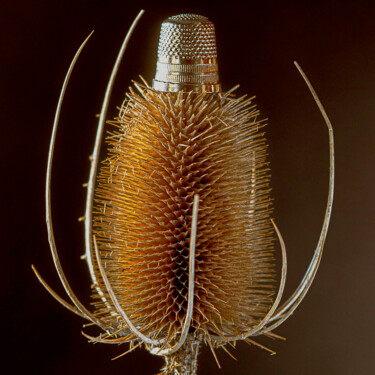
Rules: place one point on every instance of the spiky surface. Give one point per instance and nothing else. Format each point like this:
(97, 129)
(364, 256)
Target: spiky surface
(166, 148)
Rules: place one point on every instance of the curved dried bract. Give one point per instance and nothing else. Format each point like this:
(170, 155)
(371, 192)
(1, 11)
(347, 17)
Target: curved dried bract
(96, 152)
(291, 304)
(51, 237)
(55, 295)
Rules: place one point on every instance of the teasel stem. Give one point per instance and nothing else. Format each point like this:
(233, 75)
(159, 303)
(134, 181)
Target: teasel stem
(185, 360)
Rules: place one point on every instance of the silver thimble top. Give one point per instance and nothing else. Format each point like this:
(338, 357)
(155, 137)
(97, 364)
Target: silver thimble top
(187, 55)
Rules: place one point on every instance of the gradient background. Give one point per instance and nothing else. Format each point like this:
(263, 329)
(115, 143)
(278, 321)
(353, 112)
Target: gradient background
(332, 332)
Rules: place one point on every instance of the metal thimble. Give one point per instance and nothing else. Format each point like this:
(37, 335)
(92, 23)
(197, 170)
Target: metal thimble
(187, 55)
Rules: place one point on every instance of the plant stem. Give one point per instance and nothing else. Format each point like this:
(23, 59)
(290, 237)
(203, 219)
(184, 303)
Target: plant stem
(185, 360)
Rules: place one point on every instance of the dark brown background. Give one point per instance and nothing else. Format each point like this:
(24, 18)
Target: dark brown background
(332, 331)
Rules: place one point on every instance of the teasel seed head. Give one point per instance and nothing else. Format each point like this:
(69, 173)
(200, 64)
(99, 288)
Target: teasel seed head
(166, 148)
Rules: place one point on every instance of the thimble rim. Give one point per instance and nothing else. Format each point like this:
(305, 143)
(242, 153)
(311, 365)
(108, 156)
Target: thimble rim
(199, 18)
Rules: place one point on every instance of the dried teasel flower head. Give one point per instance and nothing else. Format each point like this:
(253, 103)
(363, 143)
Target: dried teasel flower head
(179, 238)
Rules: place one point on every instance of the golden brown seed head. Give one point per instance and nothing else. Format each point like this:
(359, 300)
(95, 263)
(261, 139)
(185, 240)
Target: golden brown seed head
(166, 148)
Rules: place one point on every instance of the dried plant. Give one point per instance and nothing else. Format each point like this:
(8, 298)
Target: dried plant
(180, 240)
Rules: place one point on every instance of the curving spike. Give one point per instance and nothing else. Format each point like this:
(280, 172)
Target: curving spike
(55, 295)
(96, 151)
(51, 237)
(296, 298)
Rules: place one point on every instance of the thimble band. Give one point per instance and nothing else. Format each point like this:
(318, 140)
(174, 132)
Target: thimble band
(195, 68)
(177, 60)
(192, 71)
(175, 87)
